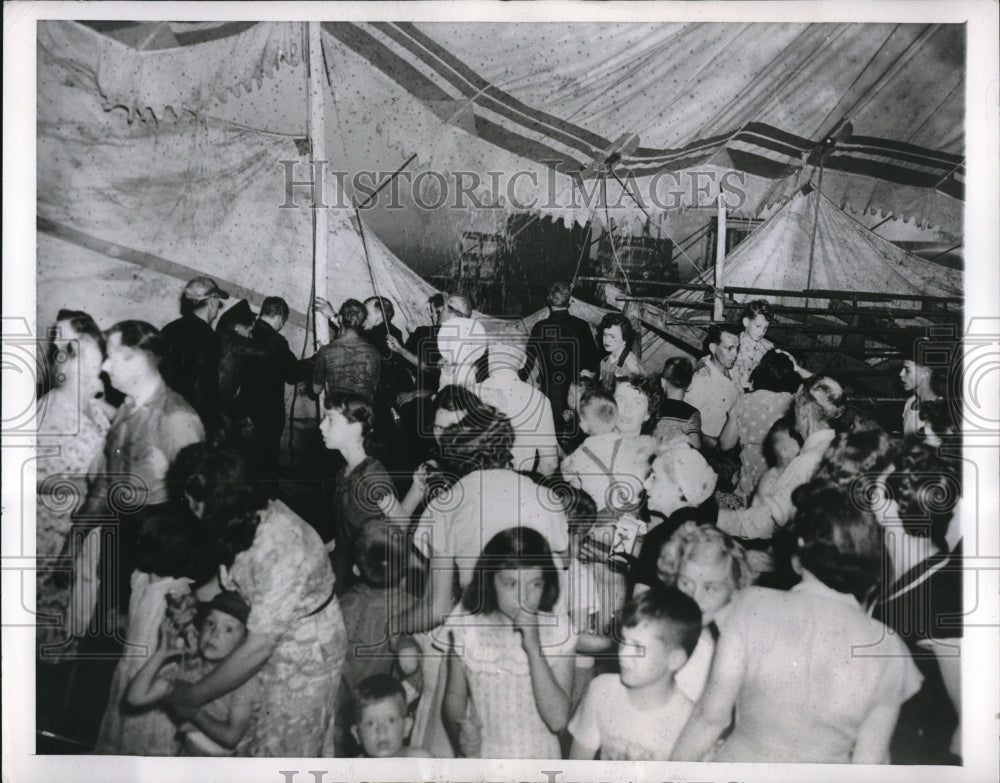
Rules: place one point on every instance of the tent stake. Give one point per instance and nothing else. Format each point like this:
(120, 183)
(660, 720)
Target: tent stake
(317, 135)
(720, 255)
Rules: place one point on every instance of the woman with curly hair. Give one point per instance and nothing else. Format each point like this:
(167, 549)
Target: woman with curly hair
(922, 599)
(706, 564)
(855, 458)
(617, 336)
(295, 642)
(812, 678)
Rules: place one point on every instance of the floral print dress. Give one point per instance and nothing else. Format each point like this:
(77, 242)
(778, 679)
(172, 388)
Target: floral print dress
(286, 578)
(70, 439)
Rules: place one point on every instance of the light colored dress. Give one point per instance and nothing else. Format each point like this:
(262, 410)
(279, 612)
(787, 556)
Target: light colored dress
(754, 414)
(499, 680)
(148, 732)
(453, 530)
(285, 576)
(70, 439)
(815, 666)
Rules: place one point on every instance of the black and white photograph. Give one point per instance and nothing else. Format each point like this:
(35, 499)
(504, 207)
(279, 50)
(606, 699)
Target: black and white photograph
(548, 391)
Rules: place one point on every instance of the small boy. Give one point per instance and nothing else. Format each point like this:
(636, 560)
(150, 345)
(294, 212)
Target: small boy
(381, 558)
(592, 466)
(380, 720)
(677, 418)
(638, 714)
(217, 728)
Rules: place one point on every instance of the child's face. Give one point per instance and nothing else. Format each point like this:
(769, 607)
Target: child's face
(518, 590)
(220, 635)
(709, 581)
(643, 656)
(592, 425)
(786, 448)
(382, 728)
(756, 327)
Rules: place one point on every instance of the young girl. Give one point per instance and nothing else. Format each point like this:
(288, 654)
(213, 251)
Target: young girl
(219, 725)
(756, 317)
(164, 561)
(360, 484)
(511, 664)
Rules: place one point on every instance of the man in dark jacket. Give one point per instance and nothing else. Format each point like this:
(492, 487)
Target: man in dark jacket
(262, 390)
(563, 346)
(190, 365)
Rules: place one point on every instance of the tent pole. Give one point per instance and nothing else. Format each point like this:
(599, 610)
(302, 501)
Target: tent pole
(317, 146)
(812, 242)
(720, 255)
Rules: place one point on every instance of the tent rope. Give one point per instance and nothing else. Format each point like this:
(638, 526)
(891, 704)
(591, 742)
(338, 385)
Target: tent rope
(583, 252)
(371, 271)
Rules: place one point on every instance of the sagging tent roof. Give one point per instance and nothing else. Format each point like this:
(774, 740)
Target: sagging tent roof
(847, 257)
(128, 212)
(553, 98)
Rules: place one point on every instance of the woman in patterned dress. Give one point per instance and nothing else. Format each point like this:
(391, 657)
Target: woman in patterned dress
(72, 423)
(296, 642)
(773, 381)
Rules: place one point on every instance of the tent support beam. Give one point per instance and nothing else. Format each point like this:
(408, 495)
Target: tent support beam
(720, 256)
(317, 146)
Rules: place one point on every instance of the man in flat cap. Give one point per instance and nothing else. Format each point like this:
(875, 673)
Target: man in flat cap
(190, 365)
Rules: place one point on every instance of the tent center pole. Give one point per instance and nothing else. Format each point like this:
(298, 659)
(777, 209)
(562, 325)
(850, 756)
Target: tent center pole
(317, 147)
(720, 255)
(812, 241)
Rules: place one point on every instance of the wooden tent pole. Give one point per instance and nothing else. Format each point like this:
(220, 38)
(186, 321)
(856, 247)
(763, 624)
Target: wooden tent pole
(720, 255)
(317, 146)
(812, 240)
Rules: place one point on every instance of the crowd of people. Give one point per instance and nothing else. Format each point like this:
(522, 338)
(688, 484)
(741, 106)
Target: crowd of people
(524, 550)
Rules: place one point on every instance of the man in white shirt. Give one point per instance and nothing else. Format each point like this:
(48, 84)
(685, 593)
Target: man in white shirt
(713, 390)
(535, 449)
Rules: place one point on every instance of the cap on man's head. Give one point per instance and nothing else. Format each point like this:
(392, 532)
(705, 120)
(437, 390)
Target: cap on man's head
(459, 304)
(201, 288)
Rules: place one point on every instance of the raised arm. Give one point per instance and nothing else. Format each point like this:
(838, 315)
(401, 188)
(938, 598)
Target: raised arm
(146, 689)
(550, 680)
